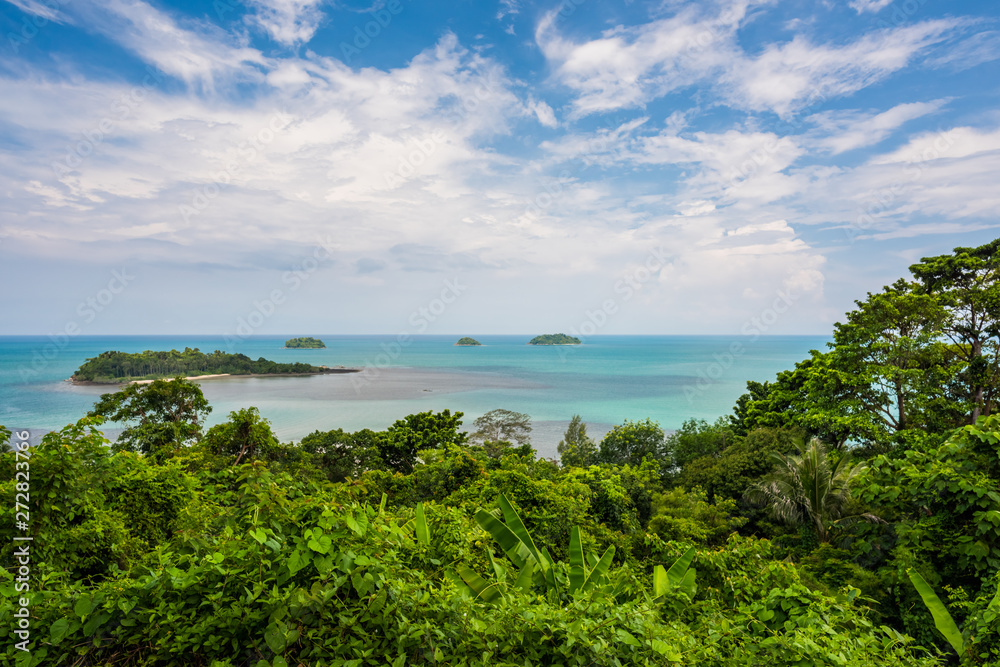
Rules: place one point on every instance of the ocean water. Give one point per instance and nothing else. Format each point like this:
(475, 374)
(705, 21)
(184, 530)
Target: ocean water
(606, 380)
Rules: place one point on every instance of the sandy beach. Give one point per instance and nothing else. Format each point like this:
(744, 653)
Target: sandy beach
(327, 370)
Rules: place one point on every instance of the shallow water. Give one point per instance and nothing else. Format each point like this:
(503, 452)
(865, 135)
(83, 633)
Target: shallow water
(606, 380)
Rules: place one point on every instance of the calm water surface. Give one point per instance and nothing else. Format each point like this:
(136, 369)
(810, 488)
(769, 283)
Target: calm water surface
(606, 380)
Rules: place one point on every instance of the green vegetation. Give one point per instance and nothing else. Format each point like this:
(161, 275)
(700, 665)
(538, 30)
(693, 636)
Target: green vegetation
(554, 339)
(118, 367)
(826, 522)
(467, 341)
(304, 344)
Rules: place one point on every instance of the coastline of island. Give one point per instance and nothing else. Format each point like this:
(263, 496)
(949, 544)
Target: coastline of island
(555, 339)
(118, 368)
(327, 370)
(307, 343)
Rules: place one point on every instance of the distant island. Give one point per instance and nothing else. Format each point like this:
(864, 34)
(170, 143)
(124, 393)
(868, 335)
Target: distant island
(554, 339)
(304, 344)
(467, 341)
(122, 367)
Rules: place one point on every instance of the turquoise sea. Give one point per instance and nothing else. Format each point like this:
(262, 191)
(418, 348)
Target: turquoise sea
(606, 380)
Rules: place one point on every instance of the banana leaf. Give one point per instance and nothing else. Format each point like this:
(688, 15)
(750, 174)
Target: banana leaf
(942, 619)
(423, 531)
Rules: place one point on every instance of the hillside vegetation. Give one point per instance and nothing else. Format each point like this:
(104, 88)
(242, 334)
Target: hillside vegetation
(846, 513)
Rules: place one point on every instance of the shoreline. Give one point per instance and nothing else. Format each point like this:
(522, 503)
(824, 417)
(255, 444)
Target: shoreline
(215, 376)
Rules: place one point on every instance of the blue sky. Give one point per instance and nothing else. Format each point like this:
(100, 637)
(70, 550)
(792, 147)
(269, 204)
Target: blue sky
(310, 166)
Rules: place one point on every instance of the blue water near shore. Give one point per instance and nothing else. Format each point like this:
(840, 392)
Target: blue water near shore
(607, 380)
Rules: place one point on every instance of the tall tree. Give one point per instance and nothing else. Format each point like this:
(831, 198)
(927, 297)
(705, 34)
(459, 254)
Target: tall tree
(160, 416)
(633, 441)
(967, 284)
(890, 363)
(499, 425)
(805, 488)
(246, 436)
(577, 449)
(399, 444)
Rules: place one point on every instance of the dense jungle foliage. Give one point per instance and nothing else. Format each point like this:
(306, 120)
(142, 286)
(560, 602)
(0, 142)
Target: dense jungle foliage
(847, 513)
(114, 367)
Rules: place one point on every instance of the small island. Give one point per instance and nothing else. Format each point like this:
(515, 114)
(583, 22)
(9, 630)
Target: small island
(554, 339)
(123, 367)
(304, 344)
(467, 341)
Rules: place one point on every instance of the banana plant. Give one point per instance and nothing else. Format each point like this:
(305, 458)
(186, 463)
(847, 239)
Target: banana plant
(515, 540)
(580, 579)
(534, 565)
(939, 612)
(679, 577)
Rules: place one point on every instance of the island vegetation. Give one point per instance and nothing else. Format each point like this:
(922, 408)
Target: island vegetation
(846, 513)
(467, 341)
(119, 367)
(554, 339)
(304, 344)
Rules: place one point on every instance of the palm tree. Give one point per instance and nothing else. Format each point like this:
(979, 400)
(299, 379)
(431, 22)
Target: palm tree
(806, 488)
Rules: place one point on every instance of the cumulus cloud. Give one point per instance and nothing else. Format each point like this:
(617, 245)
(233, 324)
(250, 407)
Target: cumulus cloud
(630, 66)
(288, 22)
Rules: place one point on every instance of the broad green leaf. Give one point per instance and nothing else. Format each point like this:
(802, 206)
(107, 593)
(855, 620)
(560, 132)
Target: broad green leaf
(515, 549)
(297, 561)
(83, 606)
(274, 635)
(525, 577)
(320, 543)
(59, 630)
(577, 568)
(259, 535)
(422, 529)
(688, 584)
(942, 619)
(482, 588)
(600, 569)
(513, 521)
(676, 572)
(661, 585)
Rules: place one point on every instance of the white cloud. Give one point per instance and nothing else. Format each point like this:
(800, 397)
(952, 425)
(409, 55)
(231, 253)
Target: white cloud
(45, 10)
(288, 22)
(198, 54)
(787, 77)
(625, 67)
(630, 66)
(546, 116)
(841, 131)
(982, 47)
(874, 6)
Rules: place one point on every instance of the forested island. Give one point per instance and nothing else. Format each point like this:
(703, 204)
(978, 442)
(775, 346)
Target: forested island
(119, 367)
(554, 339)
(467, 341)
(306, 343)
(846, 513)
